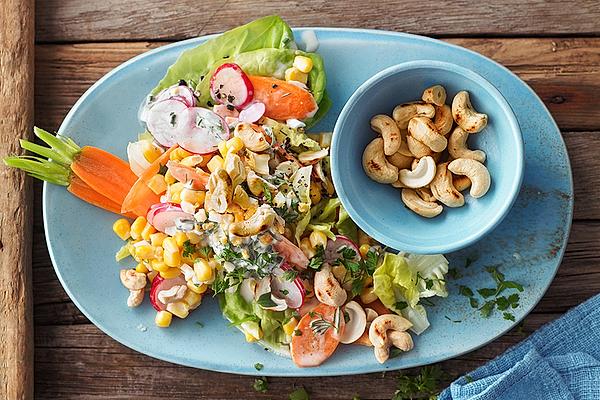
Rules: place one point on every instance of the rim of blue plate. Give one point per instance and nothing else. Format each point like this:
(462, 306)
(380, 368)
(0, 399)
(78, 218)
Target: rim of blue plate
(380, 234)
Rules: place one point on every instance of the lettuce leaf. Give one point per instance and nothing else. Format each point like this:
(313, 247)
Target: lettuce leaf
(431, 270)
(297, 139)
(418, 316)
(193, 64)
(394, 281)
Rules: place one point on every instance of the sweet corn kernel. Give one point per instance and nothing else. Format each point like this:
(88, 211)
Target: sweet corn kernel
(157, 184)
(137, 227)
(151, 152)
(294, 74)
(180, 238)
(215, 163)
(179, 309)
(122, 228)
(148, 230)
(159, 266)
(170, 273)
(303, 64)
(249, 337)
(157, 238)
(158, 252)
(192, 299)
(201, 288)
(172, 259)
(169, 178)
(192, 196)
(192, 161)
(179, 154)
(144, 252)
(234, 145)
(141, 268)
(151, 275)
(290, 326)
(203, 271)
(307, 248)
(364, 249)
(175, 192)
(170, 245)
(163, 319)
(223, 148)
(318, 238)
(193, 237)
(367, 296)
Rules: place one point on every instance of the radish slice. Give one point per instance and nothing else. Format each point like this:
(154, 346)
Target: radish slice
(230, 85)
(165, 218)
(158, 285)
(179, 92)
(335, 247)
(290, 252)
(308, 306)
(225, 111)
(165, 122)
(160, 207)
(253, 112)
(291, 291)
(201, 131)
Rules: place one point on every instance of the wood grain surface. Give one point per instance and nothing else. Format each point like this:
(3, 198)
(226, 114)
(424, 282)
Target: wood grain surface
(16, 119)
(554, 46)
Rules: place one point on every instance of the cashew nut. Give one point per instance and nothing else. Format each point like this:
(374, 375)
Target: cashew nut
(219, 191)
(328, 289)
(443, 120)
(241, 198)
(132, 280)
(382, 340)
(443, 189)
(135, 298)
(252, 139)
(312, 157)
(404, 112)
(424, 208)
(464, 114)
(415, 161)
(421, 176)
(389, 131)
(425, 194)
(435, 95)
(376, 165)
(235, 169)
(418, 149)
(262, 219)
(255, 183)
(173, 294)
(461, 182)
(424, 131)
(258, 162)
(477, 173)
(400, 160)
(457, 146)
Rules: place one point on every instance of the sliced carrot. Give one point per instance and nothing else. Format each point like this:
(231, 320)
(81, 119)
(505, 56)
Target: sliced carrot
(103, 172)
(309, 348)
(156, 165)
(197, 178)
(80, 189)
(282, 99)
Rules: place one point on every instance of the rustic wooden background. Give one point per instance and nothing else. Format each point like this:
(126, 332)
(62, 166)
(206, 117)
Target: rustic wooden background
(553, 45)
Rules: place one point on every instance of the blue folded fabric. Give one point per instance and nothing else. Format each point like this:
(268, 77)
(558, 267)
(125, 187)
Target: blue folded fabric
(560, 361)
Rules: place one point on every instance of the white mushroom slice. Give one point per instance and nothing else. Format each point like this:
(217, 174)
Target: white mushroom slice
(356, 323)
(421, 176)
(371, 314)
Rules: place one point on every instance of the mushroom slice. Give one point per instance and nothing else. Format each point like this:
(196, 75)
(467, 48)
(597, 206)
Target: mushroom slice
(421, 176)
(356, 323)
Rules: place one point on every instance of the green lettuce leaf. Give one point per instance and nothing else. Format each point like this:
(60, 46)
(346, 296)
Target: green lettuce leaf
(394, 281)
(266, 32)
(431, 270)
(345, 226)
(418, 316)
(297, 138)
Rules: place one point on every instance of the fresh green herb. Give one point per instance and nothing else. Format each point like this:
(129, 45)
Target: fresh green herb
(297, 332)
(427, 302)
(469, 378)
(512, 285)
(465, 291)
(267, 194)
(371, 260)
(473, 302)
(188, 248)
(508, 316)
(289, 214)
(265, 300)
(258, 366)
(428, 284)
(205, 252)
(163, 169)
(400, 305)
(356, 397)
(346, 317)
(284, 292)
(228, 254)
(261, 385)
(497, 275)
(487, 308)
(424, 384)
(317, 261)
(502, 303)
(290, 274)
(486, 292)
(219, 285)
(200, 324)
(454, 273)
(456, 321)
(299, 394)
(468, 262)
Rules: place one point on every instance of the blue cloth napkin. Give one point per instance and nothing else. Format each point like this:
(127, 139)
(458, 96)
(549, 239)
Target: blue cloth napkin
(559, 361)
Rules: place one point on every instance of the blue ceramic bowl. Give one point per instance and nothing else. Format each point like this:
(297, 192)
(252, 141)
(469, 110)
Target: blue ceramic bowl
(377, 208)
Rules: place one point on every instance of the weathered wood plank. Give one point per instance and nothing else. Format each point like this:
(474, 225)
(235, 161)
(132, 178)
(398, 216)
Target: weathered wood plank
(76, 20)
(564, 72)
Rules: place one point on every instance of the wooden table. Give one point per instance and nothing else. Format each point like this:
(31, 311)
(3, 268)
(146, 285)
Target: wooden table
(552, 45)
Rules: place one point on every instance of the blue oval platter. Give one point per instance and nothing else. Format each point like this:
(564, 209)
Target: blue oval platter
(527, 246)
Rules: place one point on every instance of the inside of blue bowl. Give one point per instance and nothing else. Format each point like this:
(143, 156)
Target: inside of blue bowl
(378, 209)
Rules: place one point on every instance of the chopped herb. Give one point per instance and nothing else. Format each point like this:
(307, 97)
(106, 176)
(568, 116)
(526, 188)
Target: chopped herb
(468, 262)
(487, 308)
(497, 275)
(428, 302)
(205, 252)
(261, 385)
(454, 273)
(299, 394)
(267, 194)
(492, 296)
(371, 260)
(395, 352)
(502, 303)
(357, 287)
(284, 292)
(163, 170)
(465, 291)
(456, 321)
(509, 316)
(486, 292)
(265, 300)
(274, 86)
(172, 119)
(428, 284)
(297, 332)
(228, 254)
(290, 274)
(219, 285)
(469, 378)
(317, 261)
(230, 107)
(512, 285)
(346, 317)
(188, 248)
(473, 302)
(258, 366)
(400, 305)
(200, 324)
(425, 384)
(209, 103)
(320, 325)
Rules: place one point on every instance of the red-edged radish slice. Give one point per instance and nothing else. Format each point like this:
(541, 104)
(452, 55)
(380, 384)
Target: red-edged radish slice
(225, 111)
(334, 248)
(291, 291)
(158, 285)
(230, 85)
(253, 112)
(164, 121)
(202, 132)
(155, 208)
(135, 154)
(197, 179)
(165, 218)
(179, 92)
(309, 304)
(356, 324)
(290, 252)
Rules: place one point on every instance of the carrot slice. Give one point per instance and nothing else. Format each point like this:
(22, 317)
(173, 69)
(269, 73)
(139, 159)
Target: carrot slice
(103, 172)
(311, 346)
(283, 100)
(80, 189)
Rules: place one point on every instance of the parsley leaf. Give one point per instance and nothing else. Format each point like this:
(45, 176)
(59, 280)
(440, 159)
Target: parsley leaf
(425, 384)
(258, 366)
(261, 385)
(205, 252)
(265, 300)
(400, 305)
(188, 248)
(487, 308)
(228, 254)
(299, 394)
(371, 259)
(290, 274)
(473, 302)
(267, 194)
(317, 261)
(509, 316)
(486, 292)
(465, 291)
(219, 285)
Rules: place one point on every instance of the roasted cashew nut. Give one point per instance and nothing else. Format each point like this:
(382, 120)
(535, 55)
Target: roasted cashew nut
(132, 279)
(135, 298)
(241, 198)
(434, 95)
(424, 208)
(258, 162)
(443, 120)
(404, 112)
(464, 114)
(252, 139)
(261, 220)
(375, 164)
(219, 191)
(328, 289)
(235, 169)
(380, 337)
(424, 131)
(421, 176)
(425, 194)
(418, 149)
(443, 189)
(477, 173)
(457, 146)
(255, 183)
(389, 131)
(400, 161)
(461, 182)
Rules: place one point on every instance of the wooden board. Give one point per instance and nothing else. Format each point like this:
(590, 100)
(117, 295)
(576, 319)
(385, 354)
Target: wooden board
(110, 20)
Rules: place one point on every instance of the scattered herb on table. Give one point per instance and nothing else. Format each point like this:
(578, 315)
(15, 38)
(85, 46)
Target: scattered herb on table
(258, 366)
(299, 394)
(261, 385)
(200, 324)
(425, 384)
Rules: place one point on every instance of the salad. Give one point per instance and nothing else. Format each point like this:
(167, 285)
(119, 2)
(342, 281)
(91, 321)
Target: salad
(226, 194)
